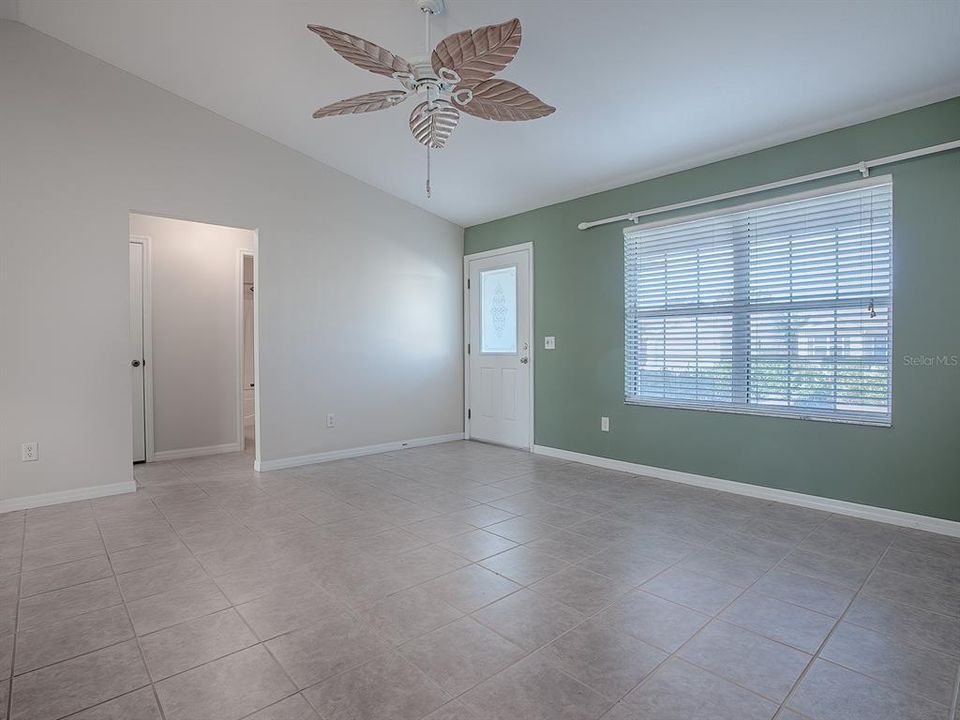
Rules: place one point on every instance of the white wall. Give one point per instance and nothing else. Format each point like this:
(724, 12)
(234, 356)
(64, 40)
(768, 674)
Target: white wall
(195, 296)
(358, 293)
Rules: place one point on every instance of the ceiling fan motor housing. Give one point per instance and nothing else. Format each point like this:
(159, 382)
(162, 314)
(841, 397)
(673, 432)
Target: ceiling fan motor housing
(434, 7)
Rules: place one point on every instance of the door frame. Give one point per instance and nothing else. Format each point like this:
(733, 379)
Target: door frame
(524, 247)
(241, 435)
(146, 241)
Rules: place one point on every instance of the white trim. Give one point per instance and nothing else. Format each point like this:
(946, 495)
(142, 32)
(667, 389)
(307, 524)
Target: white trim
(65, 496)
(198, 451)
(146, 289)
(840, 507)
(863, 167)
(521, 247)
(289, 462)
(256, 346)
(241, 435)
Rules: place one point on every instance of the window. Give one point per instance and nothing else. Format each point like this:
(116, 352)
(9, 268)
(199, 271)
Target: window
(779, 308)
(498, 310)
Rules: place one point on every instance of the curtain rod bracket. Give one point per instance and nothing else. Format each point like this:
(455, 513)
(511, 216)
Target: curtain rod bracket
(864, 168)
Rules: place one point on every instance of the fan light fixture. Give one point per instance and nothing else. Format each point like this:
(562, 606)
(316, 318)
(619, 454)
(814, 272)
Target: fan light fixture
(457, 76)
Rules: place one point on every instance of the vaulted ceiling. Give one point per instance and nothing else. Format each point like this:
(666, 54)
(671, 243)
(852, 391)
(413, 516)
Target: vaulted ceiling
(641, 88)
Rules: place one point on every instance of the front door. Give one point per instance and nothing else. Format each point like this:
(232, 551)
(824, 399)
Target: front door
(499, 359)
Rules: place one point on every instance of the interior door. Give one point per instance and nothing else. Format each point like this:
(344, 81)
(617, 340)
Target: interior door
(499, 360)
(136, 352)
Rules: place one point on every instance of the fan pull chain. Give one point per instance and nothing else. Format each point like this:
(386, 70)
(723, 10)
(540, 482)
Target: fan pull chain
(428, 170)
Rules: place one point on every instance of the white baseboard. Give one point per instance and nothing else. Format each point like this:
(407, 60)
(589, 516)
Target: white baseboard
(160, 455)
(289, 462)
(65, 496)
(840, 507)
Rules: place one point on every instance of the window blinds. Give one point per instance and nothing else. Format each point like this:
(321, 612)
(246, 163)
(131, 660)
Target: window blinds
(782, 308)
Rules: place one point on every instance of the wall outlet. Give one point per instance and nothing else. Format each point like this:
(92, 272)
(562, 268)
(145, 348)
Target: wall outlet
(549, 342)
(30, 451)
(605, 424)
(331, 420)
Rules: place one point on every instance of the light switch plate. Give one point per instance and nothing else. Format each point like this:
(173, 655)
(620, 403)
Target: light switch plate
(605, 424)
(549, 342)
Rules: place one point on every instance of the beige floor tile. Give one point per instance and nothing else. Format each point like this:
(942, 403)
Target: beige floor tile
(460, 655)
(680, 691)
(57, 577)
(752, 661)
(581, 589)
(408, 614)
(225, 689)
(176, 606)
(471, 588)
(603, 658)
(831, 692)
(73, 685)
(477, 545)
(159, 578)
(294, 707)
(287, 610)
(387, 688)
(692, 590)
(194, 643)
(48, 644)
(524, 565)
(528, 619)
(58, 605)
(533, 689)
(654, 620)
(139, 705)
(337, 643)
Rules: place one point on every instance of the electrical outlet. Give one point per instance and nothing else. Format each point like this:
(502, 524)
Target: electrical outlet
(549, 342)
(29, 451)
(605, 424)
(331, 420)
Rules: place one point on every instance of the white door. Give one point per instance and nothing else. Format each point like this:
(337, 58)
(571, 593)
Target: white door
(136, 352)
(499, 357)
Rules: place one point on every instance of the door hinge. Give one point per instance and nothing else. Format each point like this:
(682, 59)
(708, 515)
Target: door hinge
(468, 413)
(468, 348)
(468, 283)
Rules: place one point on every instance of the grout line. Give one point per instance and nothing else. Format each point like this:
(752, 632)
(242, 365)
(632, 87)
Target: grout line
(16, 621)
(393, 648)
(816, 655)
(133, 628)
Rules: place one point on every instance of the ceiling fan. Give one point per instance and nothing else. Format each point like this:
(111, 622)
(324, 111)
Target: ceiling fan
(458, 75)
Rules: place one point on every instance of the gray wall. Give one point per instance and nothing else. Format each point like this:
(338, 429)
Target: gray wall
(913, 466)
(359, 293)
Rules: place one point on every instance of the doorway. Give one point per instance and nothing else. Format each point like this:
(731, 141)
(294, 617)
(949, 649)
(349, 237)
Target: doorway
(191, 324)
(498, 315)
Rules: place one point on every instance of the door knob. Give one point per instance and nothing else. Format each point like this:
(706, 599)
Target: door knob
(136, 363)
(524, 360)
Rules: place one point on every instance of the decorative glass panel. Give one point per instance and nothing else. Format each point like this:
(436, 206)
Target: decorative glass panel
(498, 310)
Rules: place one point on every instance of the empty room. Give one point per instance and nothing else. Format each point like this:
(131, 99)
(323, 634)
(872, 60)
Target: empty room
(460, 360)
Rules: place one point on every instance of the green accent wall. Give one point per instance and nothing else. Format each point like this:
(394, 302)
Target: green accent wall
(913, 466)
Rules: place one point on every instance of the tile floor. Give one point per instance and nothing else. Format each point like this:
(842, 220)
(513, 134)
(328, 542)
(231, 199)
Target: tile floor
(466, 582)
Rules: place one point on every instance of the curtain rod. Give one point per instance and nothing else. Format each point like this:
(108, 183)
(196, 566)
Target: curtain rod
(863, 167)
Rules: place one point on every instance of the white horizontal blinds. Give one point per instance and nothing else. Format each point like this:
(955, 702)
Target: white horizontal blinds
(782, 309)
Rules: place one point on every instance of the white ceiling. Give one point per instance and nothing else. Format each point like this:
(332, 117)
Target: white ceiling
(641, 88)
